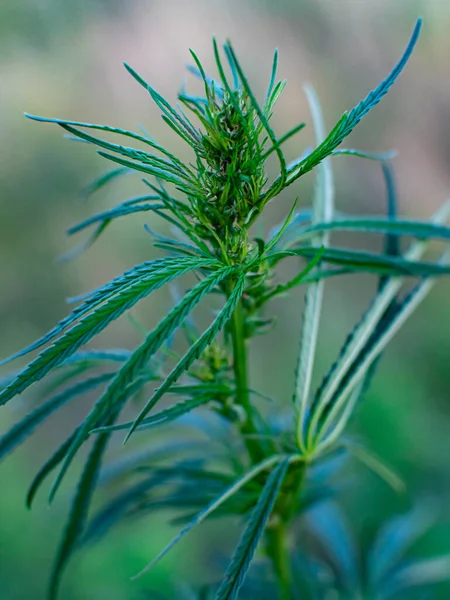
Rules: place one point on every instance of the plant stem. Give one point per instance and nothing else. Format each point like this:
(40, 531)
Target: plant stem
(241, 379)
(240, 364)
(277, 546)
(277, 550)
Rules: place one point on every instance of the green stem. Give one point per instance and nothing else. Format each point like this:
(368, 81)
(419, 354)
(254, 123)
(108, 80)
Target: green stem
(277, 550)
(241, 379)
(277, 544)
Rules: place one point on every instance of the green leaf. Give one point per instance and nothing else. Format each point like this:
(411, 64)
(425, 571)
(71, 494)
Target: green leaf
(273, 76)
(79, 511)
(122, 384)
(175, 167)
(107, 129)
(224, 496)
(377, 263)
(164, 416)
(187, 188)
(323, 208)
(243, 555)
(144, 272)
(18, 434)
(383, 156)
(119, 211)
(275, 239)
(95, 322)
(359, 338)
(97, 357)
(103, 180)
(372, 462)
(48, 467)
(415, 229)
(197, 348)
(350, 120)
(170, 116)
(383, 337)
(295, 281)
(264, 122)
(392, 242)
(99, 415)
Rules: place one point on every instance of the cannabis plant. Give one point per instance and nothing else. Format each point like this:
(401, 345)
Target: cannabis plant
(261, 464)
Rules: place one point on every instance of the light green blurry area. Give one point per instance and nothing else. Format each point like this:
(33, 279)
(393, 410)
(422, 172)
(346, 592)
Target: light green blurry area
(63, 58)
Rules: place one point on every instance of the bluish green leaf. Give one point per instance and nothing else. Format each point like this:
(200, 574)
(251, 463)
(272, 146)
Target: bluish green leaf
(49, 466)
(128, 375)
(164, 416)
(79, 511)
(348, 121)
(18, 434)
(95, 322)
(196, 349)
(323, 208)
(377, 263)
(397, 227)
(243, 555)
(224, 496)
(103, 180)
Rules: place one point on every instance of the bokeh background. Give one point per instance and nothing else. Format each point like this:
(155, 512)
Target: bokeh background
(63, 58)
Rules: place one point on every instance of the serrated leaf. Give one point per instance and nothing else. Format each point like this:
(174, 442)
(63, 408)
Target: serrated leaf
(376, 263)
(108, 129)
(114, 213)
(348, 121)
(164, 416)
(93, 299)
(197, 348)
(99, 416)
(120, 301)
(79, 511)
(396, 227)
(174, 166)
(392, 325)
(243, 555)
(128, 376)
(176, 180)
(223, 497)
(18, 434)
(170, 116)
(362, 332)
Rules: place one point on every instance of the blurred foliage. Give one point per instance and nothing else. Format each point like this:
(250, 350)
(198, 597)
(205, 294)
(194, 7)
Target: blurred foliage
(52, 51)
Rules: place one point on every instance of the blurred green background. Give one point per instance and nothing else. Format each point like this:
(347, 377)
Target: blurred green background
(63, 58)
